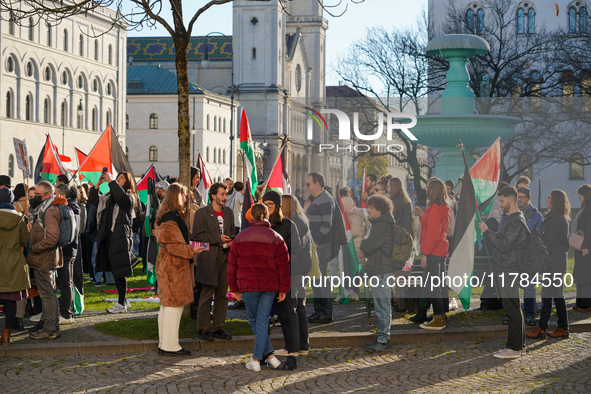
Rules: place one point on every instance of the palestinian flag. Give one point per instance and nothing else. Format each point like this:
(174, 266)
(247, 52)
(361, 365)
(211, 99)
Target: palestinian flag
(80, 157)
(248, 203)
(107, 152)
(248, 147)
(142, 186)
(461, 261)
(279, 180)
(486, 175)
(362, 204)
(49, 163)
(348, 262)
(206, 180)
(152, 249)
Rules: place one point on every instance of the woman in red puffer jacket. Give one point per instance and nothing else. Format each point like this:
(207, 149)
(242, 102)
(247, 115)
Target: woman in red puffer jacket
(435, 247)
(258, 269)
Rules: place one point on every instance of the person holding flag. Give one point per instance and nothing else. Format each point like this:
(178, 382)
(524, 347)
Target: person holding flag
(115, 213)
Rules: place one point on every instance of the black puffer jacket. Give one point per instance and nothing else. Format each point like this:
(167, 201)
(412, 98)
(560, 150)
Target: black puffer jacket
(582, 270)
(377, 247)
(71, 250)
(509, 242)
(114, 240)
(555, 237)
(289, 232)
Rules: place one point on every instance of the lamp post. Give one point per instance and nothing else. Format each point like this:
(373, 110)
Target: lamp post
(205, 63)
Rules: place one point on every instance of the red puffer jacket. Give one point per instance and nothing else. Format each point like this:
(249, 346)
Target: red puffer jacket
(258, 260)
(434, 224)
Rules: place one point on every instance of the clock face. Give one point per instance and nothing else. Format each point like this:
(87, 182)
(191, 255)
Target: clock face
(298, 77)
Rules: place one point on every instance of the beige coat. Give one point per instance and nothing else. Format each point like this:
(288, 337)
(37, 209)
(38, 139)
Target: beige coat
(359, 228)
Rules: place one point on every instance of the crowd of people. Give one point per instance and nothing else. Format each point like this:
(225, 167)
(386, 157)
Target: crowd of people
(50, 235)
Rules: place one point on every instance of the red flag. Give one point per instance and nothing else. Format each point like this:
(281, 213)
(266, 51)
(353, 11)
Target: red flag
(80, 157)
(49, 164)
(279, 180)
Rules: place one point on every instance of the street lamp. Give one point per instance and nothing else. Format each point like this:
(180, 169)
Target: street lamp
(205, 63)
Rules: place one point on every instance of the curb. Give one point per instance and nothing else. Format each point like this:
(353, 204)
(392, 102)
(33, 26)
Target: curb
(317, 340)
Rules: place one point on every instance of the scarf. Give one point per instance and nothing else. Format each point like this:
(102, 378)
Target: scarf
(41, 209)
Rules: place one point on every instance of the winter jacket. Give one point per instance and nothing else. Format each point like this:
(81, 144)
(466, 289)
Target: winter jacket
(173, 269)
(377, 247)
(14, 271)
(509, 242)
(402, 214)
(434, 223)
(206, 229)
(582, 270)
(289, 232)
(320, 213)
(71, 250)
(258, 260)
(43, 251)
(114, 218)
(554, 235)
(359, 228)
(301, 260)
(533, 219)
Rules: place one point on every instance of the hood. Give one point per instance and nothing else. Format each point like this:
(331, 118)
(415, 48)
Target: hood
(59, 200)
(9, 219)
(348, 204)
(73, 204)
(385, 217)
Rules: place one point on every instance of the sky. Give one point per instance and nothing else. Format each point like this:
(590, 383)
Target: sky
(342, 31)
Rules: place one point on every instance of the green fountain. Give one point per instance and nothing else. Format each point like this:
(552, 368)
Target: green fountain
(458, 119)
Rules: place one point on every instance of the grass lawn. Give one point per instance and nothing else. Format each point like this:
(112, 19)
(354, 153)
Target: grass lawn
(141, 329)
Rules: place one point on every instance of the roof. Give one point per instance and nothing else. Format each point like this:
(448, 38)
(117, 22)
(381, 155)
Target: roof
(156, 80)
(161, 49)
(342, 91)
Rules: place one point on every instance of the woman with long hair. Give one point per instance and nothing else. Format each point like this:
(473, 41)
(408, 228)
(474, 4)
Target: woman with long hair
(258, 271)
(173, 270)
(435, 246)
(21, 204)
(554, 235)
(402, 204)
(115, 213)
(582, 270)
(301, 264)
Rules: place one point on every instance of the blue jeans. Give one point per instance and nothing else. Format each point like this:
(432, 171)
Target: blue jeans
(98, 276)
(258, 305)
(322, 297)
(381, 301)
(529, 300)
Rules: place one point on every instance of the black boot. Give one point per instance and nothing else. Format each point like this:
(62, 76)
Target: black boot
(18, 324)
(290, 364)
(420, 317)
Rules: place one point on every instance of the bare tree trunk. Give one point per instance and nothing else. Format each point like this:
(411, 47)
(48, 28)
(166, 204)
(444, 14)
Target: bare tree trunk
(184, 132)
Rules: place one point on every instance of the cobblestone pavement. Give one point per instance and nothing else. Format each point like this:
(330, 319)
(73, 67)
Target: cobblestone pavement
(450, 367)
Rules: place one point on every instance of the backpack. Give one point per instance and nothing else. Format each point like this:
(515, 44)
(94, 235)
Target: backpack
(535, 258)
(403, 246)
(68, 226)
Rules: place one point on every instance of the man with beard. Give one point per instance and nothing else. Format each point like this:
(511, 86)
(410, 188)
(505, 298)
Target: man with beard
(214, 225)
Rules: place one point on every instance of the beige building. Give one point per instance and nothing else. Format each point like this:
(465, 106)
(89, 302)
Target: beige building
(61, 80)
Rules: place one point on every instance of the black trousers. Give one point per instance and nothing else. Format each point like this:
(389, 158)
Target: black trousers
(512, 306)
(9, 313)
(289, 323)
(64, 280)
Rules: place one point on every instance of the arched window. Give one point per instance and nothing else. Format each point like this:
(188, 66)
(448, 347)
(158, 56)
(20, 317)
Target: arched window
(66, 40)
(63, 113)
(525, 165)
(94, 119)
(254, 53)
(224, 157)
(31, 29)
(80, 81)
(126, 121)
(95, 85)
(224, 125)
(29, 107)
(65, 78)
(10, 64)
(153, 156)
(11, 165)
(220, 124)
(110, 54)
(207, 123)
(583, 20)
(81, 44)
(215, 153)
(215, 126)
(207, 154)
(572, 20)
(108, 117)
(520, 21)
(8, 104)
(96, 49)
(29, 69)
(49, 38)
(480, 22)
(47, 73)
(577, 168)
(109, 89)
(11, 24)
(153, 121)
(46, 111)
(531, 21)
(470, 22)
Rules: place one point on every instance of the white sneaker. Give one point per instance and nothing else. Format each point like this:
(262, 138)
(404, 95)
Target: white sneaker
(508, 353)
(63, 320)
(36, 317)
(117, 308)
(273, 362)
(453, 304)
(253, 366)
(523, 352)
(127, 305)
